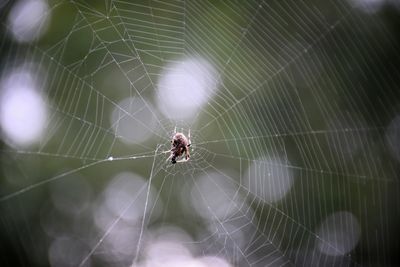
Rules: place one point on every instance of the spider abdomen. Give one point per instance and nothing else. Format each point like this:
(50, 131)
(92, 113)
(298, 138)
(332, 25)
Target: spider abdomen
(179, 146)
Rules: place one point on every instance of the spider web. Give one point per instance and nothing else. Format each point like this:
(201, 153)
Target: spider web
(294, 157)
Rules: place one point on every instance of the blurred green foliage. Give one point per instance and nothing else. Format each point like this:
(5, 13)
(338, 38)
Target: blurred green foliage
(305, 81)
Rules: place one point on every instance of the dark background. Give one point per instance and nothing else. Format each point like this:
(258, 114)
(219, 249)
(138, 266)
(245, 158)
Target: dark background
(315, 83)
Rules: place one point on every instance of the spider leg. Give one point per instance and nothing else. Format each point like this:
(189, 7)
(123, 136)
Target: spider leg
(170, 156)
(187, 153)
(182, 160)
(189, 139)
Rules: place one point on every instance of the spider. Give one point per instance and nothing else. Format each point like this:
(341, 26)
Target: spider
(179, 145)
